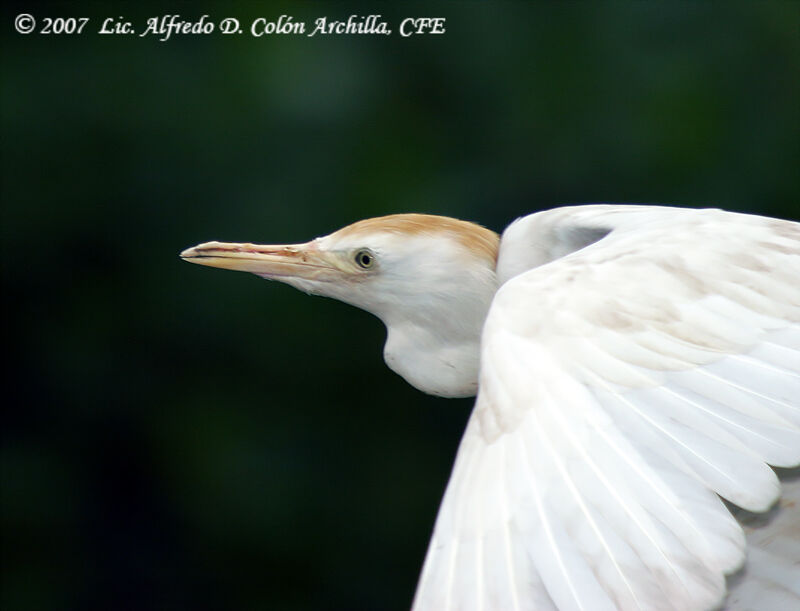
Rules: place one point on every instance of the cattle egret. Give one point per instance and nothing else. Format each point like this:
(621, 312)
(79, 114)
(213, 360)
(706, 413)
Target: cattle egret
(633, 365)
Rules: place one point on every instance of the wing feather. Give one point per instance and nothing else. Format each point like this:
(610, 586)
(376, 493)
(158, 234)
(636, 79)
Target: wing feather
(625, 387)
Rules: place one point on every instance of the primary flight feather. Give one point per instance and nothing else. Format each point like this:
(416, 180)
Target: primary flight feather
(633, 365)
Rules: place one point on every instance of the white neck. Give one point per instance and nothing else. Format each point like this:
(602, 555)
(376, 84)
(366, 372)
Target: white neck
(436, 347)
(437, 369)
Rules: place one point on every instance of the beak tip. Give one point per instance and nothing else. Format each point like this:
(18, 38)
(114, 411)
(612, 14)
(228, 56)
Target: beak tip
(189, 253)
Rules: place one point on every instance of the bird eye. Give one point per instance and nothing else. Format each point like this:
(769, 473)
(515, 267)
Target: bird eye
(364, 259)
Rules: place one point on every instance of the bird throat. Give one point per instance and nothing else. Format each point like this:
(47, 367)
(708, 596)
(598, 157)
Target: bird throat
(437, 367)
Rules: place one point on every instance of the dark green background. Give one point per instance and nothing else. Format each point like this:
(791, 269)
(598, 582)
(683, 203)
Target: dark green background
(176, 437)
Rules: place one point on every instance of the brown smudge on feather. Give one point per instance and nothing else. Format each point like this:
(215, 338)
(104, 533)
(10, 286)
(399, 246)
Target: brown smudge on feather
(786, 250)
(749, 262)
(785, 229)
(678, 269)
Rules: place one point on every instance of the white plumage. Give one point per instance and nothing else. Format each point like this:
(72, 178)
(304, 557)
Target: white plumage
(637, 365)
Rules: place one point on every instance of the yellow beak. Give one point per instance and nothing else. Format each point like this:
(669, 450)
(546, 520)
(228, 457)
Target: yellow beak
(305, 261)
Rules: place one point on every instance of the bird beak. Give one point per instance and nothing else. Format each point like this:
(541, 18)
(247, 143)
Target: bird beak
(304, 261)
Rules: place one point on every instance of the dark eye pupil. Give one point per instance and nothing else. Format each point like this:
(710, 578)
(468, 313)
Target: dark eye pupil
(364, 259)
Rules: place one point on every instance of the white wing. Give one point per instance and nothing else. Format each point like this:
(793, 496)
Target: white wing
(770, 578)
(649, 363)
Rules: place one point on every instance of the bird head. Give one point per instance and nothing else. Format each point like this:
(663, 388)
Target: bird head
(430, 279)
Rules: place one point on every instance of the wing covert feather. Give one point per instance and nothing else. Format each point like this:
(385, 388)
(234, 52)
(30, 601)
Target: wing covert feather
(626, 385)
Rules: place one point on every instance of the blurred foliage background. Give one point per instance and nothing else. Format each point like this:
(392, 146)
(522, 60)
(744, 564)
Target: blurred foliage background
(176, 437)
